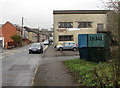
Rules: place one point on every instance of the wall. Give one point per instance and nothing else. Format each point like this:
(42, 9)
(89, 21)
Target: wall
(8, 31)
(30, 36)
(75, 18)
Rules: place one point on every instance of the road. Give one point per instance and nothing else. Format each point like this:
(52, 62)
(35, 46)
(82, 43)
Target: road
(18, 67)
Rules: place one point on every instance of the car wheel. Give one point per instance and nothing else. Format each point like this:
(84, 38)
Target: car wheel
(60, 48)
(30, 52)
(74, 49)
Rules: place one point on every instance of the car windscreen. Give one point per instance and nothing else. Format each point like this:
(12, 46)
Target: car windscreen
(46, 41)
(35, 45)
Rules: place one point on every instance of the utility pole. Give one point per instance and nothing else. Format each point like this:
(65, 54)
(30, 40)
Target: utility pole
(38, 35)
(22, 27)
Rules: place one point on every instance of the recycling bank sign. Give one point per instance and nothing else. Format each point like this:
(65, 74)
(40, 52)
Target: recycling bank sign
(92, 40)
(96, 40)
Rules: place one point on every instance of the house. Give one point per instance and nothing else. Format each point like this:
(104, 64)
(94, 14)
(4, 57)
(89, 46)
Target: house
(36, 35)
(8, 30)
(32, 35)
(69, 23)
(1, 37)
(24, 33)
(46, 34)
(37, 31)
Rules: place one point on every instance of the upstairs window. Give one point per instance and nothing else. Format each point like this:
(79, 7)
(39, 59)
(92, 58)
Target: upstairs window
(84, 24)
(100, 27)
(65, 24)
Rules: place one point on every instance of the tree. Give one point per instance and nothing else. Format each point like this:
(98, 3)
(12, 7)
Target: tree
(114, 27)
(17, 39)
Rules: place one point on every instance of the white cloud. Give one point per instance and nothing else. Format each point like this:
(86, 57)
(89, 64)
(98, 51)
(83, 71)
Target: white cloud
(38, 13)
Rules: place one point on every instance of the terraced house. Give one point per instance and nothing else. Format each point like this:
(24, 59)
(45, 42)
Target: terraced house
(69, 23)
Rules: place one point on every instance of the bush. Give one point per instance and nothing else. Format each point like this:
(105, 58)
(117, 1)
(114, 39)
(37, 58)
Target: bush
(92, 74)
(17, 39)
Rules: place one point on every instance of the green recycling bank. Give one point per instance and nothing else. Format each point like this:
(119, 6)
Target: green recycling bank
(94, 47)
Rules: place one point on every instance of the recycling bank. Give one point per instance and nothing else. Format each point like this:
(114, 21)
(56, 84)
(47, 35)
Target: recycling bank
(94, 47)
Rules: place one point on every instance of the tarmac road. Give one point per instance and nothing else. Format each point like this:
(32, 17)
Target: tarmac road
(18, 67)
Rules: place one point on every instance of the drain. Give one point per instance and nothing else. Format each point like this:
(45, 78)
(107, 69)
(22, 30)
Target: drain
(19, 68)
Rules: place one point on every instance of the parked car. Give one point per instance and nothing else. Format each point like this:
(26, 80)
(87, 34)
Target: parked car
(58, 44)
(36, 47)
(46, 42)
(67, 45)
(51, 39)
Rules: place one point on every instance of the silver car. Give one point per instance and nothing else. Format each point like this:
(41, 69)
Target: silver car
(36, 47)
(46, 42)
(67, 45)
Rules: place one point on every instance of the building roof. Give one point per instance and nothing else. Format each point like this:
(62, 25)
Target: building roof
(29, 29)
(18, 27)
(80, 11)
(36, 30)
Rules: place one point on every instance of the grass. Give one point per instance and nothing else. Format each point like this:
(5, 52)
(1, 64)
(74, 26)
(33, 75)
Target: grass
(92, 74)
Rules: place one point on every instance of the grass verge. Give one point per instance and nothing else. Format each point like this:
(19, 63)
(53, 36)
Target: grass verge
(93, 74)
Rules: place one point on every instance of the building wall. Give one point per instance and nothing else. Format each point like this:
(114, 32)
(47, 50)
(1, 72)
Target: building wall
(34, 37)
(25, 34)
(75, 18)
(1, 32)
(8, 31)
(30, 36)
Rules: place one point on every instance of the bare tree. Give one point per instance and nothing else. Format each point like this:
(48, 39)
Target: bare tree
(110, 4)
(114, 28)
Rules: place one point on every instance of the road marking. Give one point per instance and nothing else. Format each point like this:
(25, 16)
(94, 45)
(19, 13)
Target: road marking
(45, 47)
(33, 78)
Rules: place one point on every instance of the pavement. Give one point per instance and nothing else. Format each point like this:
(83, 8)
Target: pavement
(52, 71)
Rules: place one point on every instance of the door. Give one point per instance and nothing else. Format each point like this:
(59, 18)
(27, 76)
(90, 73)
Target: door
(66, 46)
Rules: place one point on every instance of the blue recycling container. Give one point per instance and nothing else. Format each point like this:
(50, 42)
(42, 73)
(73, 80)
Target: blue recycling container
(94, 47)
(98, 40)
(83, 52)
(82, 40)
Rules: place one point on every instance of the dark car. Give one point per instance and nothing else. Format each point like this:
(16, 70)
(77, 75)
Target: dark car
(36, 47)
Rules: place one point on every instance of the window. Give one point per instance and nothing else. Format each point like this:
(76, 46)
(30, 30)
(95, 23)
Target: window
(65, 24)
(100, 27)
(72, 43)
(66, 38)
(84, 24)
(67, 44)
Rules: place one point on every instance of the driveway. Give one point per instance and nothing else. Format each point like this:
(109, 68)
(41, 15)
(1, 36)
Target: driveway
(52, 52)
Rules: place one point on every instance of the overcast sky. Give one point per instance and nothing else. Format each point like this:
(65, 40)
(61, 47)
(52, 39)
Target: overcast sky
(39, 13)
